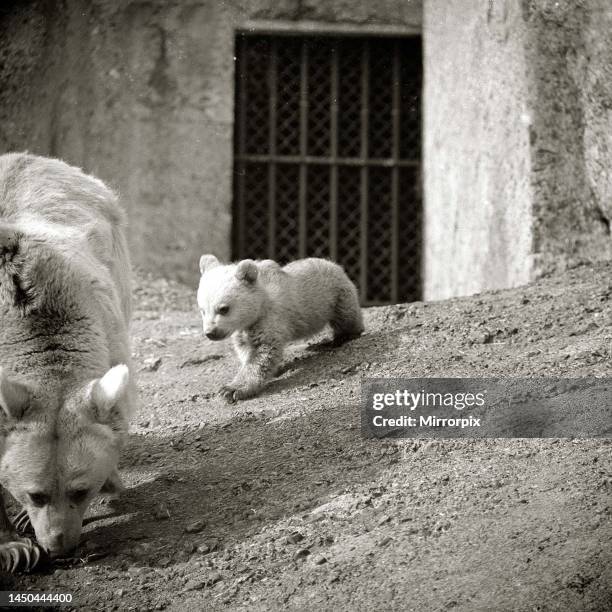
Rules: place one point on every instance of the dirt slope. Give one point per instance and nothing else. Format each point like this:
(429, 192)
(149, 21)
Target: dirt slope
(279, 503)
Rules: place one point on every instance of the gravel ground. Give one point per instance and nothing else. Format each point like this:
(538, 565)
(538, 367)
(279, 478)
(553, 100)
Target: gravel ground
(279, 503)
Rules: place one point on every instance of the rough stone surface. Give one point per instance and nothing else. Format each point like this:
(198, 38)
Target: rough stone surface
(595, 84)
(141, 94)
(517, 140)
(569, 53)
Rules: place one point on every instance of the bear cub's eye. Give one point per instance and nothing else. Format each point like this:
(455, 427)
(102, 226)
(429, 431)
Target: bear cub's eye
(39, 499)
(223, 310)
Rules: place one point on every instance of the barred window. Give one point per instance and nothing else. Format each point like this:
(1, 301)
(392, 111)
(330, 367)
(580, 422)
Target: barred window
(328, 156)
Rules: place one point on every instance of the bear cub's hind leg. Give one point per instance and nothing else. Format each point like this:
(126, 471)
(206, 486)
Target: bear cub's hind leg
(347, 321)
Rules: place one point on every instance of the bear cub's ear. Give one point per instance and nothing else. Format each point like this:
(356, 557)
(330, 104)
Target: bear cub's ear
(207, 262)
(247, 271)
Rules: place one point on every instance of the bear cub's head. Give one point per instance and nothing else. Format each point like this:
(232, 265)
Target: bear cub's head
(229, 296)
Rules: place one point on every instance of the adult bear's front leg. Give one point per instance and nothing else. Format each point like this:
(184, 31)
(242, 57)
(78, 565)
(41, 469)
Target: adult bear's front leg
(17, 553)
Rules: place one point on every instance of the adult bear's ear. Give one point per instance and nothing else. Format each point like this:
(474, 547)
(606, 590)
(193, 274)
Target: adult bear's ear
(15, 397)
(246, 271)
(107, 393)
(207, 262)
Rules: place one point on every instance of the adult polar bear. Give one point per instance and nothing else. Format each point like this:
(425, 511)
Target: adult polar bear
(65, 387)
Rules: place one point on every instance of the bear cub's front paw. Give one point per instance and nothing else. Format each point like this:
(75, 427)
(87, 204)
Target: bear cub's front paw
(232, 394)
(228, 394)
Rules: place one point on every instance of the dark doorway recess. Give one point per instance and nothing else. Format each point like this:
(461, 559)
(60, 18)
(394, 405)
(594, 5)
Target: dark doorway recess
(328, 156)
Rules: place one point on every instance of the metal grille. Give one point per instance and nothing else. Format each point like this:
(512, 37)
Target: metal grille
(327, 157)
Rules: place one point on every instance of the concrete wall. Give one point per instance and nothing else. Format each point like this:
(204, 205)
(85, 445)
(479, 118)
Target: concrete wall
(517, 140)
(476, 148)
(570, 71)
(141, 94)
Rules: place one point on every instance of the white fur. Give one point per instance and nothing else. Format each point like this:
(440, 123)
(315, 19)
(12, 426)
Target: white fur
(65, 310)
(264, 306)
(113, 385)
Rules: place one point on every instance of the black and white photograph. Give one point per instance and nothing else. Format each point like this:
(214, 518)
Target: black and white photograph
(306, 305)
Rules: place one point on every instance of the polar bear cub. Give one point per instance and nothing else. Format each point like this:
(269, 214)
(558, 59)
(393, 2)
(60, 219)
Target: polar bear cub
(264, 307)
